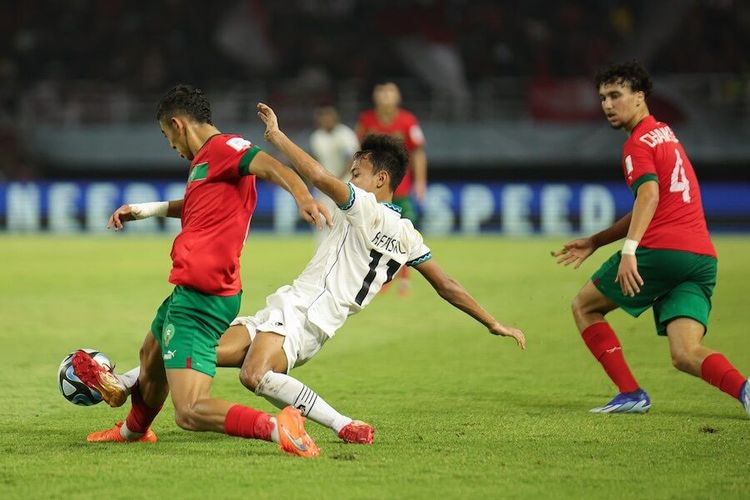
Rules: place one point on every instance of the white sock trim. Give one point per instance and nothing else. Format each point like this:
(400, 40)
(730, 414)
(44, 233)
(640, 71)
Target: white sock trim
(128, 434)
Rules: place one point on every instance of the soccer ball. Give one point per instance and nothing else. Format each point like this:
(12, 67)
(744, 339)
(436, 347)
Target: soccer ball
(71, 386)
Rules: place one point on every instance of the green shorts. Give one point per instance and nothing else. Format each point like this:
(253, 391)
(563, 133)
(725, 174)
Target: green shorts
(407, 208)
(676, 284)
(188, 326)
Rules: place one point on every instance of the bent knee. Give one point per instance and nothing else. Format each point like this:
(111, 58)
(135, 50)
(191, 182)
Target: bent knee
(185, 418)
(682, 361)
(251, 377)
(579, 307)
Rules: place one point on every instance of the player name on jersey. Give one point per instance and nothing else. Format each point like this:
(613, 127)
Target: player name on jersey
(387, 243)
(658, 136)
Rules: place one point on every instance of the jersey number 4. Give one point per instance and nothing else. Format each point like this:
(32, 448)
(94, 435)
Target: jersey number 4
(680, 181)
(375, 257)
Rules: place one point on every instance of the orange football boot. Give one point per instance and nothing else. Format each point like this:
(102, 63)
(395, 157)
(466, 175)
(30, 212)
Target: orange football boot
(113, 436)
(293, 438)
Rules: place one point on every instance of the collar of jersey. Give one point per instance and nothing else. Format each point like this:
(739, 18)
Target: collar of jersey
(200, 149)
(646, 121)
(393, 207)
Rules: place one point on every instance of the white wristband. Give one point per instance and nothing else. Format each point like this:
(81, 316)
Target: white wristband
(629, 247)
(146, 210)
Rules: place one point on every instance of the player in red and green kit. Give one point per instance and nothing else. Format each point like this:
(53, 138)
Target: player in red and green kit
(390, 119)
(667, 262)
(179, 353)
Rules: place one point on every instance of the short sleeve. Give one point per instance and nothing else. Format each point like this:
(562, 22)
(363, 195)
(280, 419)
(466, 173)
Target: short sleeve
(361, 209)
(418, 251)
(638, 165)
(231, 158)
(416, 136)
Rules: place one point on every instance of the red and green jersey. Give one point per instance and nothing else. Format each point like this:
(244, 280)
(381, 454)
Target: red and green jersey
(653, 153)
(404, 127)
(219, 201)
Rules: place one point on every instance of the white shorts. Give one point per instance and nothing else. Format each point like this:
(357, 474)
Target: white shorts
(286, 314)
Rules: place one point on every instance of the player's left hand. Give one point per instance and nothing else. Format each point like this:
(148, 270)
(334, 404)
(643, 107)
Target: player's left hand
(627, 276)
(316, 213)
(267, 116)
(509, 331)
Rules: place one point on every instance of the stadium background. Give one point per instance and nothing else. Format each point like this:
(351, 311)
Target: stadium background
(516, 146)
(516, 143)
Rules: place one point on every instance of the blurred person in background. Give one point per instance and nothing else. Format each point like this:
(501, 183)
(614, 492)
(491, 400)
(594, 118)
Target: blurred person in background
(333, 144)
(387, 117)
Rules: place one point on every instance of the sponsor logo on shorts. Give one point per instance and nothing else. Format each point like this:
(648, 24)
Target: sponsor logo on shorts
(169, 355)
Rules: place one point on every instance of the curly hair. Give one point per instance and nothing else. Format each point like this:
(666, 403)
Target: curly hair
(187, 100)
(630, 72)
(385, 153)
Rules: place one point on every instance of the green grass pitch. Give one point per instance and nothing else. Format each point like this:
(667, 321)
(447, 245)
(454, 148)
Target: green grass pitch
(458, 413)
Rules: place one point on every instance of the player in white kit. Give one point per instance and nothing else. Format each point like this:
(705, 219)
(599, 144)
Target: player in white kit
(367, 245)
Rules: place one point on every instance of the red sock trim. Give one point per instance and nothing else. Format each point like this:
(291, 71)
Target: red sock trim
(605, 346)
(719, 372)
(141, 415)
(245, 422)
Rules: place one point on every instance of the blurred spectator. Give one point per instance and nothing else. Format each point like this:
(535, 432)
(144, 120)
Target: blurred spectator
(333, 144)
(307, 50)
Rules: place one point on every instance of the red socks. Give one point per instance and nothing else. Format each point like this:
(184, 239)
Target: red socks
(719, 372)
(141, 415)
(604, 345)
(246, 422)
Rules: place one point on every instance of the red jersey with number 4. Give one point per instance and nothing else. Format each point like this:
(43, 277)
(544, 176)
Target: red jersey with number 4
(652, 152)
(219, 202)
(404, 127)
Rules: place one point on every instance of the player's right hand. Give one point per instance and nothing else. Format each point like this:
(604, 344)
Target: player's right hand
(316, 213)
(119, 216)
(574, 252)
(509, 331)
(267, 116)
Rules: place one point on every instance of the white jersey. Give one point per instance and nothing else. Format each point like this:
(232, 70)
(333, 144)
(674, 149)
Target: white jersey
(334, 149)
(368, 244)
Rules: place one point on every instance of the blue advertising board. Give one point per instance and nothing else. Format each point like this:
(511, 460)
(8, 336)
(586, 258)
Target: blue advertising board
(449, 208)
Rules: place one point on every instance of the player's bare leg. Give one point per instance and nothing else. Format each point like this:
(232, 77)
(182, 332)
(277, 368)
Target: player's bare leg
(691, 356)
(264, 372)
(147, 398)
(233, 346)
(195, 410)
(589, 308)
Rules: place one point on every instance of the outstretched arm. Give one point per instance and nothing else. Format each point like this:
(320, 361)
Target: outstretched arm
(308, 168)
(137, 211)
(452, 291)
(266, 167)
(576, 251)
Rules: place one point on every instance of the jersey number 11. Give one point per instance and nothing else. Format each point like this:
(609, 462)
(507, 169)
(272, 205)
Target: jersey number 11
(375, 257)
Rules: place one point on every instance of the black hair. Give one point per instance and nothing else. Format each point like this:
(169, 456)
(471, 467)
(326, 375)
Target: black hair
(630, 72)
(385, 153)
(187, 100)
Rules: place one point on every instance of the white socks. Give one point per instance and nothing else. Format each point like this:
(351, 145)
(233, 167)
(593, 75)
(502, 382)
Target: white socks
(129, 378)
(290, 391)
(128, 434)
